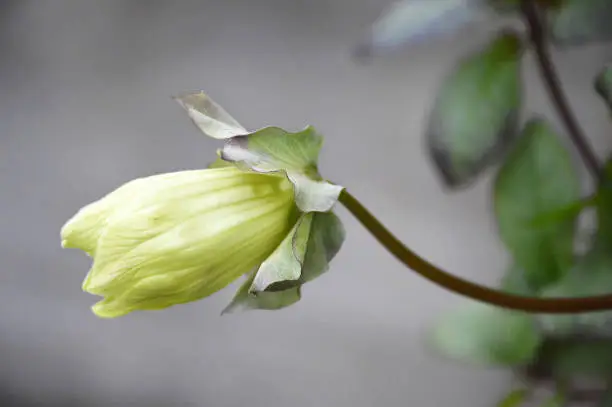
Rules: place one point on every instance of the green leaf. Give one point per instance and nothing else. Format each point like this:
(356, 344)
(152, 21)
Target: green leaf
(410, 22)
(604, 209)
(504, 6)
(480, 334)
(515, 282)
(514, 6)
(606, 400)
(537, 177)
(475, 116)
(591, 359)
(515, 398)
(557, 400)
(564, 214)
(304, 255)
(592, 275)
(274, 149)
(580, 22)
(603, 85)
(209, 117)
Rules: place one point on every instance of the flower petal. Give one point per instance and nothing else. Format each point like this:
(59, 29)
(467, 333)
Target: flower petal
(159, 274)
(83, 230)
(185, 216)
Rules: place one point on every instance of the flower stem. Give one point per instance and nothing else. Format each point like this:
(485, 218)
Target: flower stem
(551, 80)
(477, 291)
(465, 287)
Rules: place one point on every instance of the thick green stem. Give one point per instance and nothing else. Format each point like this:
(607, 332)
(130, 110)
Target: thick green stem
(464, 287)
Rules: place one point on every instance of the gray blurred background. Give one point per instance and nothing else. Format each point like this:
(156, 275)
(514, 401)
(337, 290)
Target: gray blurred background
(85, 105)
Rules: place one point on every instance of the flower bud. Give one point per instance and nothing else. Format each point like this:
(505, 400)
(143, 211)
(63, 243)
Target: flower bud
(179, 237)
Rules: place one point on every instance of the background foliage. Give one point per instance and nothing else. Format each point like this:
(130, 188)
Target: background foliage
(478, 124)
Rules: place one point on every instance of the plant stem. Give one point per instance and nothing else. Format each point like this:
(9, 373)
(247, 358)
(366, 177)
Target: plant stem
(477, 291)
(464, 287)
(553, 85)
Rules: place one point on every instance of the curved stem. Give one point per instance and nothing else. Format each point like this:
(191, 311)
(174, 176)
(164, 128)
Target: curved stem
(464, 287)
(553, 85)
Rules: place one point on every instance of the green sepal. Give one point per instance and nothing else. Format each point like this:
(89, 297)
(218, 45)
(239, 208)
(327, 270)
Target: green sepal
(301, 257)
(580, 22)
(270, 149)
(245, 300)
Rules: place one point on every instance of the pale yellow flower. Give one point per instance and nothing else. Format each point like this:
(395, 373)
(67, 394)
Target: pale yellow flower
(179, 237)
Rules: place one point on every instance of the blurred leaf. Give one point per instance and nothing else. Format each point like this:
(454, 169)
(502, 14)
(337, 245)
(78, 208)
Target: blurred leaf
(480, 334)
(606, 400)
(558, 400)
(475, 115)
(580, 22)
(414, 21)
(603, 85)
(515, 398)
(514, 282)
(592, 275)
(504, 6)
(513, 6)
(304, 254)
(590, 359)
(567, 213)
(604, 209)
(537, 177)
